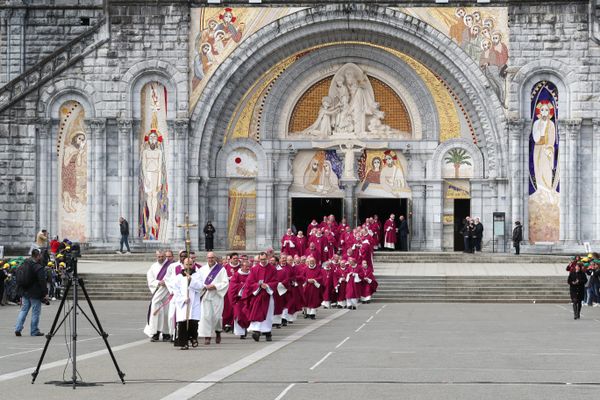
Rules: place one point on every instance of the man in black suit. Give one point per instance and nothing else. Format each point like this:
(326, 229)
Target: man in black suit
(403, 232)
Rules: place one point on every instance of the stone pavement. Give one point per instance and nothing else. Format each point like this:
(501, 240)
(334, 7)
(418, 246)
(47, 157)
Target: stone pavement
(416, 351)
(405, 269)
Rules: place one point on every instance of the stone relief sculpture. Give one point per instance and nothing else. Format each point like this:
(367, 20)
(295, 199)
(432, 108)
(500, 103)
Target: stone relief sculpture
(350, 110)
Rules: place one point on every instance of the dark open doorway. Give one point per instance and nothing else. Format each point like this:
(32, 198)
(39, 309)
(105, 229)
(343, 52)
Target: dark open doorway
(305, 209)
(462, 209)
(382, 208)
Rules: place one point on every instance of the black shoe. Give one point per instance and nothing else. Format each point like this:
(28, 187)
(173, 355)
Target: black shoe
(278, 326)
(166, 338)
(38, 334)
(305, 316)
(268, 337)
(313, 316)
(155, 338)
(256, 336)
(243, 337)
(284, 322)
(17, 333)
(227, 328)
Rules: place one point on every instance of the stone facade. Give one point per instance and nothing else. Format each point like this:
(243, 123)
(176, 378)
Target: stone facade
(551, 41)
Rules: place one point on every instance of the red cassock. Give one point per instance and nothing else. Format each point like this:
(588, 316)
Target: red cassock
(354, 288)
(348, 239)
(369, 283)
(389, 229)
(289, 245)
(301, 245)
(311, 226)
(294, 299)
(283, 277)
(329, 249)
(365, 253)
(314, 253)
(329, 284)
(258, 305)
(239, 305)
(339, 277)
(313, 295)
(227, 306)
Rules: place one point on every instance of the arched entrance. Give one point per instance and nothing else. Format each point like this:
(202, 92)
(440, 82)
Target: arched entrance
(254, 97)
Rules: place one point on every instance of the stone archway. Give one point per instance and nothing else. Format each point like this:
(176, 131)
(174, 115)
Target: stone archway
(330, 24)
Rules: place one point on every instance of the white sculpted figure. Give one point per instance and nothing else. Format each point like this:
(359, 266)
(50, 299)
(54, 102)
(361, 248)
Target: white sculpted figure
(349, 109)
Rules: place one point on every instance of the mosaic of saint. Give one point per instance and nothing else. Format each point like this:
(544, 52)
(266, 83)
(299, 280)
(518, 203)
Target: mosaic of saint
(153, 186)
(544, 178)
(383, 173)
(242, 214)
(72, 157)
(317, 173)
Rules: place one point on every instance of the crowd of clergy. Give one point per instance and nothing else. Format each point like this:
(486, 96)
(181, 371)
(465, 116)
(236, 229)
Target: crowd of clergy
(330, 267)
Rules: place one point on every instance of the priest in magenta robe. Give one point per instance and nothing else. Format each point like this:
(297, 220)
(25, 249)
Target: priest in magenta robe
(313, 288)
(389, 233)
(260, 287)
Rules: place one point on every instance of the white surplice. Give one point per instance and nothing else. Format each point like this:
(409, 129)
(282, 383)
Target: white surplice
(213, 301)
(181, 291)
(159, 312)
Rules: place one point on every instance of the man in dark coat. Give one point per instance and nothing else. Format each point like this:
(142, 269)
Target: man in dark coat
(517, 237)
(209, 236)
(477, 234)
(403, 232)
(467, 233)
(32, 295)
(124, 228)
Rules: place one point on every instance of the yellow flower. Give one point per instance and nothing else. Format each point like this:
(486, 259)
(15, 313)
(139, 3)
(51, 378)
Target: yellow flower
(62, 265)
(13, 263)
(7, 265)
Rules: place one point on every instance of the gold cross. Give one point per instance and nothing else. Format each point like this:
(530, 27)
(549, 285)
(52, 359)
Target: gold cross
(187, 226)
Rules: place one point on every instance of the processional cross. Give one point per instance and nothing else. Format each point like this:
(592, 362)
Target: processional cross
(187, 226)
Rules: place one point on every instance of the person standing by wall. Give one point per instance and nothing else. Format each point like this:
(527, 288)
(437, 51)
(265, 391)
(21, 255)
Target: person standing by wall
(517, 237)
(403, 232)
(124, 226)
(477, 234)
(31, 281)
(209, 236)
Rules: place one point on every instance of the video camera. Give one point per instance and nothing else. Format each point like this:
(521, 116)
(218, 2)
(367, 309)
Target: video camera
(70, 253)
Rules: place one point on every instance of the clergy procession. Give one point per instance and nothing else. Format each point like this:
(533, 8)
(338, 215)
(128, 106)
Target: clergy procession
(331, 267)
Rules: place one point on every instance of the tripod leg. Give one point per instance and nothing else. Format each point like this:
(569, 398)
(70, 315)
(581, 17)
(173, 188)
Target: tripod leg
(50, 335)
(102, 333)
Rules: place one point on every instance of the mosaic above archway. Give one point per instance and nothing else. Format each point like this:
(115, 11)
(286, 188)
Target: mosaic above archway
(215, 32)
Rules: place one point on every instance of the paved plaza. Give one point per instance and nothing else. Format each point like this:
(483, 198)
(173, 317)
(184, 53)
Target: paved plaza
(380, 351)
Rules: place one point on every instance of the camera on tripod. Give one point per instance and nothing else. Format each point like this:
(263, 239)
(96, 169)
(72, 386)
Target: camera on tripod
(70, 253)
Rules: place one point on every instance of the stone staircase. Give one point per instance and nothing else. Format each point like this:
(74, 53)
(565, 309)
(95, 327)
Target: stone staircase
(472, 289)
(392, 289)
(54, 64)
(116, 286)
(380, 257)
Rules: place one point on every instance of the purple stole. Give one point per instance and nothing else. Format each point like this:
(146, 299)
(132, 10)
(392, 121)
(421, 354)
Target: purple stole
(163, 270)
(214, 271)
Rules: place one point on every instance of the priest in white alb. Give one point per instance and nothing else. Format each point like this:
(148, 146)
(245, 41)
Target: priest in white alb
(187, 288)
(216, 282)
(158, 311)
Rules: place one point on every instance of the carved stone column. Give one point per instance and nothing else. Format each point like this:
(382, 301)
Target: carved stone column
(180, 178)
(596, 178)
(573, 130)
(97, 137)
(125, 127)
(517, 168)
(46, 203)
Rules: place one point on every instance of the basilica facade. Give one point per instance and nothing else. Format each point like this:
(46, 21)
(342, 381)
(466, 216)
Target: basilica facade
(259, 117)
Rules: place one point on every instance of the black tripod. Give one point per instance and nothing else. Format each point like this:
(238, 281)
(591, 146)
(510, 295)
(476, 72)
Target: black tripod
(75, 282)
